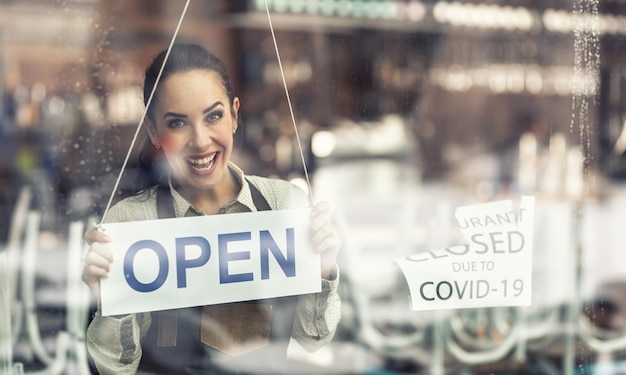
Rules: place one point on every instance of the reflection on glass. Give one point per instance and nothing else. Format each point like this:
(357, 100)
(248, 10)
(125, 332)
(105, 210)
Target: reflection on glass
(407, 109)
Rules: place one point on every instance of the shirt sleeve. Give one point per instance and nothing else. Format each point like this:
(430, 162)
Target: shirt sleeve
(115, 343)
(318, 315)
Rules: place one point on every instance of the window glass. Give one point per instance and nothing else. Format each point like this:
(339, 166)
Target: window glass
(397, 113)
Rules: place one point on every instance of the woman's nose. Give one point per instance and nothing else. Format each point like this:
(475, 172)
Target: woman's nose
(200, 137)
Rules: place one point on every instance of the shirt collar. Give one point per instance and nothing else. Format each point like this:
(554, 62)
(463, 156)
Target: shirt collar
(183, 208)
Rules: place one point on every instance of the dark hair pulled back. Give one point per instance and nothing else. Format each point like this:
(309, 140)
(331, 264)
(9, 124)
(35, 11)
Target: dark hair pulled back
(183, 58)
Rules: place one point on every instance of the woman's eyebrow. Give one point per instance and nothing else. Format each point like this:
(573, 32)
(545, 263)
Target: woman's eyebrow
(208, 109)
(173, 114)
(212, 107)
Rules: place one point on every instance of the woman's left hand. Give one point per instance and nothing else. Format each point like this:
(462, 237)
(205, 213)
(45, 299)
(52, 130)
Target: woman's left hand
(324, 238)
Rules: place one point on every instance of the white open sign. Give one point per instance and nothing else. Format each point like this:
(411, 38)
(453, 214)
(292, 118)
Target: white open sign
(204, 260)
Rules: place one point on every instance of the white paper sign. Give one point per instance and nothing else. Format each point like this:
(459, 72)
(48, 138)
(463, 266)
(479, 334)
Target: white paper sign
(494, 267)
(204, 260)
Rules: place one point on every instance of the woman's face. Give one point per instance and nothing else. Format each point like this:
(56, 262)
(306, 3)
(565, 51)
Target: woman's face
(194, 123)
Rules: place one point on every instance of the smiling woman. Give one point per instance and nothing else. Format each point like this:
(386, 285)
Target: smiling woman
(191, 122)
(193, 114)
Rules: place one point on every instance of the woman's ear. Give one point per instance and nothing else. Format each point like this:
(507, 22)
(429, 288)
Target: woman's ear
(151, 128)
(235, 113)
(236, 105)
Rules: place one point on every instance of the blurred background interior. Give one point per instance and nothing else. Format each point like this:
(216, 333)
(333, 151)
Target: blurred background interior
(405, 110)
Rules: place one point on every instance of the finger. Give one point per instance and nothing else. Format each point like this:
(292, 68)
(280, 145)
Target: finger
(91, 273)
(102, 250)
(321, 208)
(99, 255)
(328, 245)
(317, 224)
(326, 235)
(92, 278)
(95, 235)
(321, 234)
(95, 289)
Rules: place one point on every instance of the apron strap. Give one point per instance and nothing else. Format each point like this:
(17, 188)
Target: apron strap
(258, 199)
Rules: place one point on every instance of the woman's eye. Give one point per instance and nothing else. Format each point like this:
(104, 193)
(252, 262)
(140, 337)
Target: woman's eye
(177, 123)
(215, 116)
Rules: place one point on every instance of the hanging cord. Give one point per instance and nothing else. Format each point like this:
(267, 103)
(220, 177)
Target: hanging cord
(293, 118)
(143, 117)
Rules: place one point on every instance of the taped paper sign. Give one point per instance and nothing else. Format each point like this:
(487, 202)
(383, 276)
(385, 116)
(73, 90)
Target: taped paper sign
(494, 268)
(204, 260)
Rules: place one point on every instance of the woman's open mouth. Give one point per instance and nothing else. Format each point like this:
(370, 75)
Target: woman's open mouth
(203, 164)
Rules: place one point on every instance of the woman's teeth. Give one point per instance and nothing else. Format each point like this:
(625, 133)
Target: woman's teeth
(204, 163)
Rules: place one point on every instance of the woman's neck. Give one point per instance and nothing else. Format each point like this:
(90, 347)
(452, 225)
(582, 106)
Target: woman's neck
(211, 200)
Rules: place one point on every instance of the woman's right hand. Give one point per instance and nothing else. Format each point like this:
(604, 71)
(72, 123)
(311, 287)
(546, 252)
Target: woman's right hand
(97, 261)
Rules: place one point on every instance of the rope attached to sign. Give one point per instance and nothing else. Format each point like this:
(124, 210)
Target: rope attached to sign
(143, 116)
(293, 118)
(149, 101)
